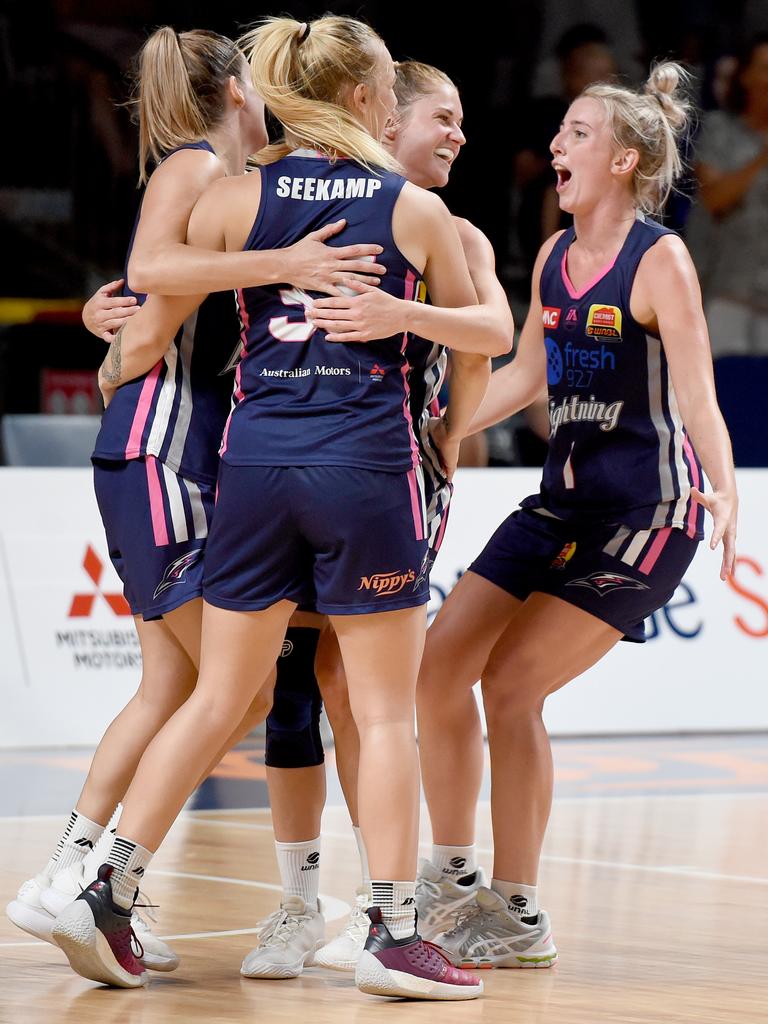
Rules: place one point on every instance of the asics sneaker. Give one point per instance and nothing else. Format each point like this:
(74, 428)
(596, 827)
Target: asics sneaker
(439, 898)
(28, 913)
(288, 940)
(487, 934)
(97, 937)
(67, 885)
(343, 952)
(409, 968)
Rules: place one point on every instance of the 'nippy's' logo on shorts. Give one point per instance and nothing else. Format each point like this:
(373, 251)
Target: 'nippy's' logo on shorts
(382, 583)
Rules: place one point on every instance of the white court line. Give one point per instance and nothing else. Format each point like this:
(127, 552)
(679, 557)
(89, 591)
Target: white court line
(333, 909)
(552, 858)
(167, 938)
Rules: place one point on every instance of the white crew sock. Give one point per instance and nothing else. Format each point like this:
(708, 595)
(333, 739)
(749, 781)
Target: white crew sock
(79, 837)
(454, 861)
(521, 899)
(365, 870)
(98, 855)
(299, 866)
(397, 902)
(130, 862)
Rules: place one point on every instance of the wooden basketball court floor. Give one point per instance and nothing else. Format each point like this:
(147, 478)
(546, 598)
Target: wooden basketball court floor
(655, 874)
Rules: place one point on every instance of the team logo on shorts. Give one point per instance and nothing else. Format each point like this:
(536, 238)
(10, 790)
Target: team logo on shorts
(551, 317)
(382, 583)
(566, 554)
(606, 582)
(604, 322)
(174, 573)
(426, 566)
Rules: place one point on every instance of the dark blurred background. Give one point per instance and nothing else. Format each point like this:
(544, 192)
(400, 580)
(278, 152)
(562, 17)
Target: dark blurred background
(68, 174)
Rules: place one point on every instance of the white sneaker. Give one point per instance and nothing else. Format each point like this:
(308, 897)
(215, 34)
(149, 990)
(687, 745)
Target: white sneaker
(66, 886)
(343, 952)
(28, 913)
(439, 899)
(487, 934)
(288, 941)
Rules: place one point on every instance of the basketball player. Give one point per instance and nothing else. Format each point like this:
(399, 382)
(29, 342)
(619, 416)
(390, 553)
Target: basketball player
(322, 432)
(425, 137)
(156, 455)
(617, 331)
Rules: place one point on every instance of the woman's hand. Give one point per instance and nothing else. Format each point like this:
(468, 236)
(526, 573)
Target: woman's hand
(314, 266)
(723, 507)
(446, 446)
(107, 310)
(363, 314)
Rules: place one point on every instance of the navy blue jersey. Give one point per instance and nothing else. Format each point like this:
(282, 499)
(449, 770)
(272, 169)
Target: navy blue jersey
(618, 450)
(177, 411)
(299, 399)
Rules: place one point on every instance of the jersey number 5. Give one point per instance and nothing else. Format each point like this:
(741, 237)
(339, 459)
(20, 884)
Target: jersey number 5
(285, 329)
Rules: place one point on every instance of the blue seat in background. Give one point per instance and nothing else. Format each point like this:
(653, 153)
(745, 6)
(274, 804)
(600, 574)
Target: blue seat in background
(43, 440)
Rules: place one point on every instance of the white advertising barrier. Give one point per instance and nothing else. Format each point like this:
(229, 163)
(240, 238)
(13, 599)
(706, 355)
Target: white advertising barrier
(70, 657)
(70, 653)
(705, 664)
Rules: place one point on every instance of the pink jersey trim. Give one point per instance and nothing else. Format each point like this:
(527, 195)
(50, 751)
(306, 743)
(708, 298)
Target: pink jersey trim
(441, 532)
(696, 478)
(410, 291)
(159, 527)
(652, 557)
(238, 395)
(418, 521)
(598, 277)
(133, 448)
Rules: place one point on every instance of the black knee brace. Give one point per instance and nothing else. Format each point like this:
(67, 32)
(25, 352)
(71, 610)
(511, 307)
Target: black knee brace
(293, 725)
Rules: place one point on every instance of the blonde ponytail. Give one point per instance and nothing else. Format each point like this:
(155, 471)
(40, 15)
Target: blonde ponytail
(180, 89)
(303, 73)
(652, 121)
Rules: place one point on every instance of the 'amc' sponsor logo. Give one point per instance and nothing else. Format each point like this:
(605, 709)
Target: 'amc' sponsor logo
(386, 582)
(551, 317)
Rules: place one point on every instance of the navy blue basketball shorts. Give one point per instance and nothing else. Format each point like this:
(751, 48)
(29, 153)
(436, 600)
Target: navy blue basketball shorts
(345, 541)
(156, 524)
(615, 573)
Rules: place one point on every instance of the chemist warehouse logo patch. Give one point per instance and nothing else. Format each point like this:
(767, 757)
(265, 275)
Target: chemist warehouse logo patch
(604, 322)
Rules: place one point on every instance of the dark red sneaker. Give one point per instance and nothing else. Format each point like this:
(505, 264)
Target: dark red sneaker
(410, 968)
(97, 937)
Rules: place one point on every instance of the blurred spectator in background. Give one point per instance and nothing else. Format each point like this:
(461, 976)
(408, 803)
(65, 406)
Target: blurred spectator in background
(584, 56)
(729, 227)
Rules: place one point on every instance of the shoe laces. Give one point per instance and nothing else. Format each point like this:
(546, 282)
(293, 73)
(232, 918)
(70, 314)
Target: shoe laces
(29, 887)
(470, 915)
(359, 922)
(280, 927)
(426, 888)
(136, 947)
(147, 906)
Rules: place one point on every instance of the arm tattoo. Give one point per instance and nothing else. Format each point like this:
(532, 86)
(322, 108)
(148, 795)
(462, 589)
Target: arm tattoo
(112, 367)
